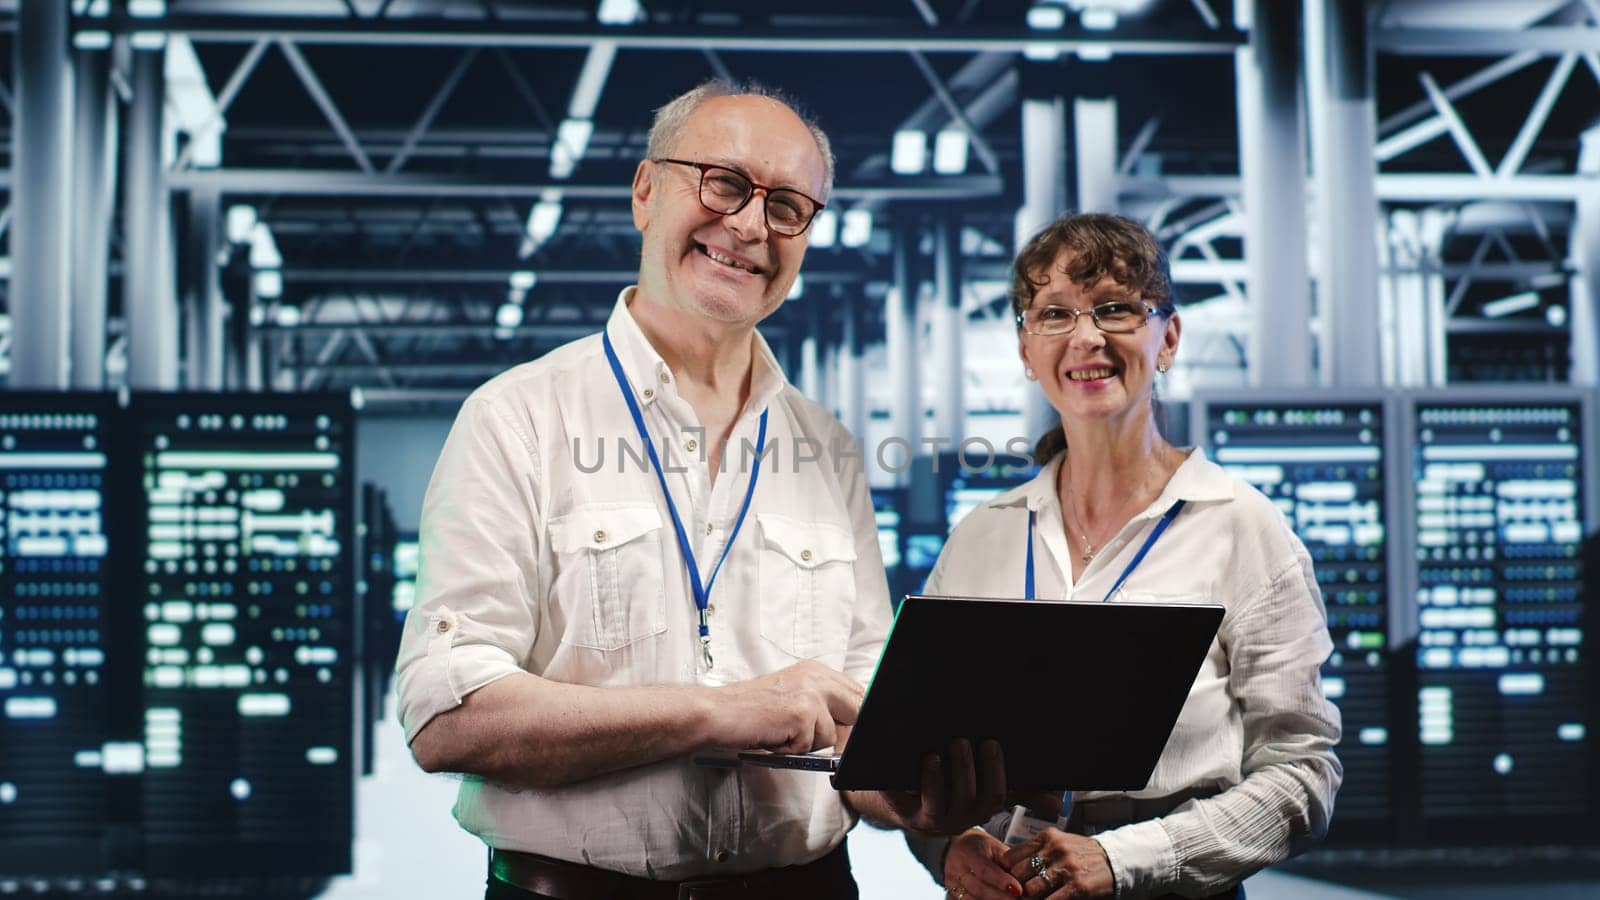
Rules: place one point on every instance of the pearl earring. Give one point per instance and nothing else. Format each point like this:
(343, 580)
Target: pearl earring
(1163, 367)
(1028, 372)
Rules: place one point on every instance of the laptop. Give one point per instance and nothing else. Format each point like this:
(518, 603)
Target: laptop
(1080, 695)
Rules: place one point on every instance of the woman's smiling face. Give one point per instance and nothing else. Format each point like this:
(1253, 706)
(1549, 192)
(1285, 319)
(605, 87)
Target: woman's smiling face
(1089, 374)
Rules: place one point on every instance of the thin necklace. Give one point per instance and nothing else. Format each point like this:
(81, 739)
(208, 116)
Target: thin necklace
(1080, 527)
(1072, 510)
(1088, 548)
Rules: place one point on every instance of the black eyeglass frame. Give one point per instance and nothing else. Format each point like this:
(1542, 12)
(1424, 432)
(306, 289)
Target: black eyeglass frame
(766, 191)
(1094, 312)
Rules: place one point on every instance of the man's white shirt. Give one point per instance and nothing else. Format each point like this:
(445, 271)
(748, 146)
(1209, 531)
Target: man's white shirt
(546, 546)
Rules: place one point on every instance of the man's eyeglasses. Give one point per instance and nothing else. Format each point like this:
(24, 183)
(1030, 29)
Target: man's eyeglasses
(725, 191)
(1116, 317)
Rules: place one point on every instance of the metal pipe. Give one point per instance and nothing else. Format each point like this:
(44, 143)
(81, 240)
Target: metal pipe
(202, 292)
(95, 141)
(1343, 134)
(901, 338)
(950, 369)
(331, 183)
(1272, 164)
(42, 199)
(151, 308)
(1044, 189)
(1129, 39)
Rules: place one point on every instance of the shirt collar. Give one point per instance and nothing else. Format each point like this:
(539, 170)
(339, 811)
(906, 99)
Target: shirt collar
(1197, 480)
(651, 377)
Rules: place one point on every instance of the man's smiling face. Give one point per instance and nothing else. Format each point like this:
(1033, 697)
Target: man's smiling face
(733, 268)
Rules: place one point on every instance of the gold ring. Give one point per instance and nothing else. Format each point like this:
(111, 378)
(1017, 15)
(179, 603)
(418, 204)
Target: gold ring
(1048, 879)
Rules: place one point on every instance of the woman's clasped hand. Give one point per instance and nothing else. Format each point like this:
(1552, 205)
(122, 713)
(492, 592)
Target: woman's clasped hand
(1051, 864)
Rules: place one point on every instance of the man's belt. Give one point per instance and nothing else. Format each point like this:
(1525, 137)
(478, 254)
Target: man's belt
(828, 877)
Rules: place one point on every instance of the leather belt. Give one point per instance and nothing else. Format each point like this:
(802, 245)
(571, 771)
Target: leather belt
(828, 877)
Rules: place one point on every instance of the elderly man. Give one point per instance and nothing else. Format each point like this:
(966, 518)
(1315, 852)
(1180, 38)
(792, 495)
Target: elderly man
(589, 615)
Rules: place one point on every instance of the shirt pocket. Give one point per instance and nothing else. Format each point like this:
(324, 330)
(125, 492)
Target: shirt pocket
(807, 585)
(608, 584)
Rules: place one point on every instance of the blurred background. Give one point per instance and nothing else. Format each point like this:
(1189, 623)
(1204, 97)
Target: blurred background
(254, 253)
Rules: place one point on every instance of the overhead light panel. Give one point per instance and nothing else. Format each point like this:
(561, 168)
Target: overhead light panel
(572, 141)
(619, 12)
(950, 152)
(269, 286)
(1098, 18)
(824, 228)
(88, 39)
(509, 315)
(147, 9)
(910, 152)
(1505, 306)
(287, 315)
(524, 280)
(592, 79)
(857, 228)
(1094, 52)
(796, 289)
(1041, 52)
(543, 219)
(241, 221)
(1046, 17)
(264, 249)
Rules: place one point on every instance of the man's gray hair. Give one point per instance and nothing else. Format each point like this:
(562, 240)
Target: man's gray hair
(670, 119)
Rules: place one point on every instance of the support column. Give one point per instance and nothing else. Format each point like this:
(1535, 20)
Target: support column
(853, 410)
(94, 187)
(1343, 135)
(202, 292)
(949, 405)
(1044, 197)
(149, 303)
(1272, 169)
(900, 327)
(1095, 133)
(1412, 323)
(828, 354)
(1585, 243)
(808, 324)
(41, 198)
(238, 295)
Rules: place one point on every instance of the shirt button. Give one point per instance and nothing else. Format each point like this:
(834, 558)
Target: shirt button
(665, 377)
(720, 856)
(443, 626)
(649, 392)
(692, 446)
(599, 537)
(805, 555)
(711, 609)
(710, 528)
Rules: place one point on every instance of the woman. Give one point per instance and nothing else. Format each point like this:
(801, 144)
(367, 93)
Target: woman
(1249, 774)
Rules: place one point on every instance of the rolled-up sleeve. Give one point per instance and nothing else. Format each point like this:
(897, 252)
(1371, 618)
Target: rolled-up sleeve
(476, 613)
(1276, 641)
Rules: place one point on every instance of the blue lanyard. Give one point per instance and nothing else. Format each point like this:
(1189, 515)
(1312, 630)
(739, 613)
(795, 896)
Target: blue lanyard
(1166, 519)
(701, 591)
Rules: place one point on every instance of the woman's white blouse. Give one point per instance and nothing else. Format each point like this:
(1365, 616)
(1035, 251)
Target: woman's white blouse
(1256, 724)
